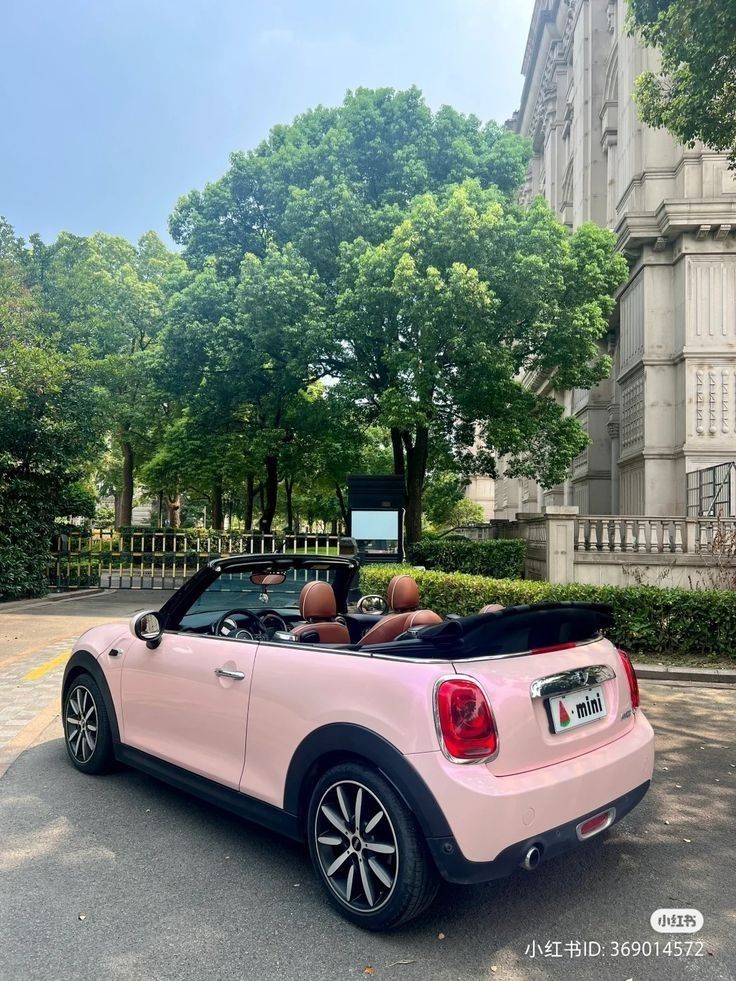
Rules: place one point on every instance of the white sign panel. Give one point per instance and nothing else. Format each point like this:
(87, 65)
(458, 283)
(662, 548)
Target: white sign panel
(375, 525)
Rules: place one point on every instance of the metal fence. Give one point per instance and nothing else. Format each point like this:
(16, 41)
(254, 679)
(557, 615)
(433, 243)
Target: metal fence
(710, 492)
(159, 559)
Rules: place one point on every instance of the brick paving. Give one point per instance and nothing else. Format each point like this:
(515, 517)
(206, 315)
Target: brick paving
(36, 638)
(23, 694)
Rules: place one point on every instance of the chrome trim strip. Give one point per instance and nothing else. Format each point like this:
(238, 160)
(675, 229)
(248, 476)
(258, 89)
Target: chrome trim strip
(565, 682)
(610, 818)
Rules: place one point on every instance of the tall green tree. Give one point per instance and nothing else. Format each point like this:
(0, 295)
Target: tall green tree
(50, 425)
(334, 174)
(250, 356)
(694, 93)
(111, 297)
(436, 326)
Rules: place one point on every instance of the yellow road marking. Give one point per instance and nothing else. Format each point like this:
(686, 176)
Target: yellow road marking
(47, 666)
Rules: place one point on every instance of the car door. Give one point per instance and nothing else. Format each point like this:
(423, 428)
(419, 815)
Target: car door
(186, 702)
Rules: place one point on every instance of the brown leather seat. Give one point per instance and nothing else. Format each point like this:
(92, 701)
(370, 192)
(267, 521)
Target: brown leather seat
(402, 596)
(318, 609)
(491, 608)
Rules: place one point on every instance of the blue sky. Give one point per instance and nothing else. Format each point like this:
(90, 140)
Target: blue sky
(113, 108)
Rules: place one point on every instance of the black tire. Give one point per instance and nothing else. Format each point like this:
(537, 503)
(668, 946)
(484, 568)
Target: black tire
(87, 734)
(387, 850)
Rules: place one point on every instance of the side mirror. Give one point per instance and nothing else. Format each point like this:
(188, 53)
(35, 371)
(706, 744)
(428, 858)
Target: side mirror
(147, 626)
(372, 604)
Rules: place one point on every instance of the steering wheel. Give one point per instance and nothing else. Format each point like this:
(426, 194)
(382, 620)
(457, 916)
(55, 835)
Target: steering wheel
(255, 631)
(272, 622)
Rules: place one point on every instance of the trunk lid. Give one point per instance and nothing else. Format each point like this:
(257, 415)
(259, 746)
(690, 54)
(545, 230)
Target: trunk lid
(523, 691)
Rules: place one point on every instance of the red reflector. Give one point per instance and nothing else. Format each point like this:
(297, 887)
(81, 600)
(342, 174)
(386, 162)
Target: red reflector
(630, 677)
(552, 647)
(595, 824)
(465, 721)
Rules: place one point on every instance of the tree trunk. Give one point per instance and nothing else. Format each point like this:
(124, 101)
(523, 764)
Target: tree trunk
(174, 506)
(289, 488)
(341, 501)
(126, 493)
(216, 519)
(397, 445)
(416, 469)
(271, 493)
(249, 498)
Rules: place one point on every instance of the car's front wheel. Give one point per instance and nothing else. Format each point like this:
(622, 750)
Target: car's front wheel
(86, 727)
(367, 849)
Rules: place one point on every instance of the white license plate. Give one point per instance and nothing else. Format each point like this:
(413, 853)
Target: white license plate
(577, 708)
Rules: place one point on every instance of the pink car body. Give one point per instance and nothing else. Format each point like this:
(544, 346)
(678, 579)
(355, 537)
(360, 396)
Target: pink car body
(252, 723)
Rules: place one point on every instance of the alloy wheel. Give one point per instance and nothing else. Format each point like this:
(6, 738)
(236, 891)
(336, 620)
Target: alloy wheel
(356, 846)
(81, 724)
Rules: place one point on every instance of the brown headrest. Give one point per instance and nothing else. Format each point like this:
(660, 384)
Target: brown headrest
(421, 618)
(402, 594)
(317, 601)
(491, 608)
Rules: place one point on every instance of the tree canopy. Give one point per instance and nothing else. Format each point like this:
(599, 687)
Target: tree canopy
(694, 93)
(360, 292)
(437, 326)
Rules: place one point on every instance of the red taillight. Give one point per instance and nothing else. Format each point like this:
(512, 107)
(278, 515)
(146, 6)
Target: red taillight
(465, 720)
(630, 677)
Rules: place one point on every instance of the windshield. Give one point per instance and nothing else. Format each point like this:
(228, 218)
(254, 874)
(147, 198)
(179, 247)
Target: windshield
(234, 590)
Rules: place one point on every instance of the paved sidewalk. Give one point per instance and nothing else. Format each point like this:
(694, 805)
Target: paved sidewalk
(28, 685)
(36, 638)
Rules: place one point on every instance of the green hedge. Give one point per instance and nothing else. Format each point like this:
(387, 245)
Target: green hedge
(26, 520)
(499, 558)
(646, 619)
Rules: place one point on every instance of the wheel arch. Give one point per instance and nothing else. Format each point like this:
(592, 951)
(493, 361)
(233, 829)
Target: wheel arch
(346, 742)
(83, 662)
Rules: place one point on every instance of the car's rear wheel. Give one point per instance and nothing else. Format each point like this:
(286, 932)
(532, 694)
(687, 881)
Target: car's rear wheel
(86, 727)
(367, 849)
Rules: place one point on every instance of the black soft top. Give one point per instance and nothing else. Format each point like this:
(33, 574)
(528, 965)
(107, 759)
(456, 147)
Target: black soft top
(513, 630)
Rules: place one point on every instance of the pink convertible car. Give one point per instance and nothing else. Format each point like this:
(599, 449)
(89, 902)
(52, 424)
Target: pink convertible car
(402, 746)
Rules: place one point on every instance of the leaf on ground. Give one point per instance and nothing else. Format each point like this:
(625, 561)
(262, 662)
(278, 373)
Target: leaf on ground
(369, 970)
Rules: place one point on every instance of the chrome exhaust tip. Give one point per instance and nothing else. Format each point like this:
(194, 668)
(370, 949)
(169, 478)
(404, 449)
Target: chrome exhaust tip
(531, 859)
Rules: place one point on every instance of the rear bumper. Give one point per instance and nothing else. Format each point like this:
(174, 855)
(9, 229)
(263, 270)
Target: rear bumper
(454, 867)
(490, 816)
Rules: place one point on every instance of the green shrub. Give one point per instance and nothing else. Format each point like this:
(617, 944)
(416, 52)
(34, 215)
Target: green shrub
(646, 619)
(26, 521)
(499, 558)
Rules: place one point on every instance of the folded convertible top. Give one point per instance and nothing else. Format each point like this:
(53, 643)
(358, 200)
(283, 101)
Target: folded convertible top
(515, 630)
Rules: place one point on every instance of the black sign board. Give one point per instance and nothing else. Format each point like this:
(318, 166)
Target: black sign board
(376, 517)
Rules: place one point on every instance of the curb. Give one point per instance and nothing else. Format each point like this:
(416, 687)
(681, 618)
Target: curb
(651, 672)
(51, 598)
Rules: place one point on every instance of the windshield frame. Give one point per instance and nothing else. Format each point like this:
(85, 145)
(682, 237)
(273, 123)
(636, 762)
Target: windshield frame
(179, 605)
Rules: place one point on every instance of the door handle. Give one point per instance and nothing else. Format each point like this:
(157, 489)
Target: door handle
(224, 673)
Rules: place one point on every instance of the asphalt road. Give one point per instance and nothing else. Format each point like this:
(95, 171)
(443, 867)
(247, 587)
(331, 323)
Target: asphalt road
(122, 877)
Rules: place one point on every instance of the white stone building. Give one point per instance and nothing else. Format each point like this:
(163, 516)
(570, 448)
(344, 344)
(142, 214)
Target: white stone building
(669, 407)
